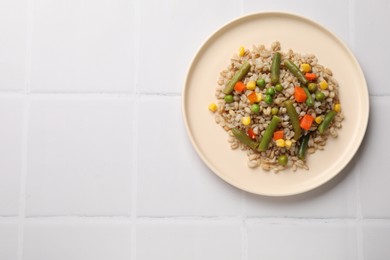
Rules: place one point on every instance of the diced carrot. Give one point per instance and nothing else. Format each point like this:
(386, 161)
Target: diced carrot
(299, 94)
(278, 135)
(239, 87)
(251, 133)
(306, 122)
(310, 76)
(252, 97)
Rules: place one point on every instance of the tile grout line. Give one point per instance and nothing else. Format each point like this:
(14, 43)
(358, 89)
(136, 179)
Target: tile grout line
(25, 126)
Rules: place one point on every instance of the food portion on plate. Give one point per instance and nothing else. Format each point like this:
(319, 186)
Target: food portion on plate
(277, 106)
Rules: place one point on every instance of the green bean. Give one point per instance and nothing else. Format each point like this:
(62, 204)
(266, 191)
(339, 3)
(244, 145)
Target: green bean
(275, 68)
(244, 138)
(309, 98)
(266, 139)
(244, 69)
(292, 113)
(295, 71)
(326, 122)
(303, 146)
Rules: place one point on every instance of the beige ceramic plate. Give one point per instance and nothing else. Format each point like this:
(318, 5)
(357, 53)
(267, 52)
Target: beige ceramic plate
(301, 35)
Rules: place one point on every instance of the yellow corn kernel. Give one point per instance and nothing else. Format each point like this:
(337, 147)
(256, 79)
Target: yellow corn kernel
(241, 51)
(259, 97)
(323, 85)
(318, 119)
(251, 85)
(337, 107)
(280, 143)
(246, 120)
(305, 67)
(213, 107)
(288, 144)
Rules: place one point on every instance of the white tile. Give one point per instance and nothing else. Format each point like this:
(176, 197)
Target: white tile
(337, 198)
(83, 46)
(77, 241)
(376, 237)
(372, 40)
(8, 241)
(331, 14)
(13, 24)
(170, 34)
(190, 241)
(11, 118)
(79, 156)
(302, 240)
(374, 163)
(172, 180)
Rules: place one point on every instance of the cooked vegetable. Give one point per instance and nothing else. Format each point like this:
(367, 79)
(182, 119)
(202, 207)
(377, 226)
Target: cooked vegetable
(320, 96)
(288, 144)
(251, 133)
(213, 107)
(251, 85)
(270, 91)
(303, 147)
(283, 160)
(310, 76)
(326, 122)
(240, 87)
(293, 115)
(323, 85)
(295, 71)
(255, 108)
(300, 94)
(278, 135)
(229, 98)
(279, 87)
(244, 69)
(337, 108)
(267, 137)
(309, 98)
(260, 83)
(275, 68)
(246, 120)
(241, 51)
(312, 87)
(280, 143)
(268, 99)
(274, 111)
(306, 122)
(305, 67)
(243, 138)
(318, 119)
(252, 97)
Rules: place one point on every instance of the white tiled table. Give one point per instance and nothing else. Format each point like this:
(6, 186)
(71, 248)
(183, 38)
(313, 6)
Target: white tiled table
(91, 167)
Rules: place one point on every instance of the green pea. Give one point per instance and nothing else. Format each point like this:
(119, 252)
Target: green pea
(312, 87)
(229, 98)
(270, 91)
(283, 160)
(260, 83)
(279, 87)
(274, 111)
(255, 108)
(268, 99)
(320, 96)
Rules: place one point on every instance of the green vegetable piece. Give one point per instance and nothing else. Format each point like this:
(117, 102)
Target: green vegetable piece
(274, 111)
(293, 115)
(309, 98)
(275, 68)
(303, 147)
(260, 83)
(312, 87)
(326, 122)
(228, 98)
(255, 108)
(269, 131)
(268, 99)
(244, 69)
(295, 71)
(283, 160)
(279, 87)
(244, 138)
(270, 91)
(320, 96)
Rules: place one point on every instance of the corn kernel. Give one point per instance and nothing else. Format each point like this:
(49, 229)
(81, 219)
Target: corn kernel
(288, 144)
(246, 120)
(318, 119)
(323, 85)
(305, 67)
(241, 51)
(251, 85)
(213, 107)
(280, 143)
(337, 107)
(259, 97)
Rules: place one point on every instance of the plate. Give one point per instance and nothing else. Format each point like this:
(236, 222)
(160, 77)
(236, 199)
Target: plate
(301, 35)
